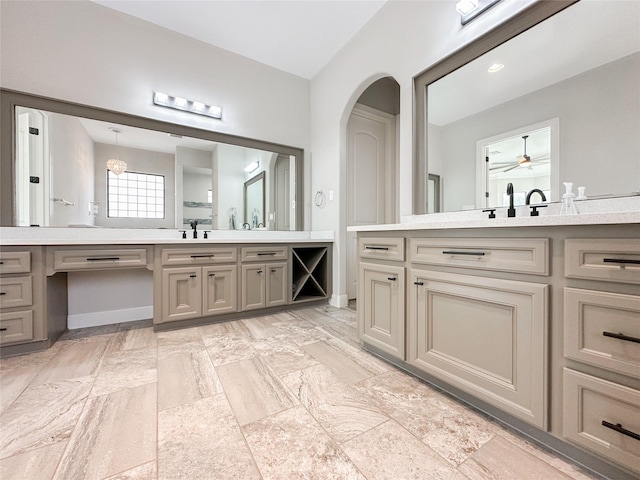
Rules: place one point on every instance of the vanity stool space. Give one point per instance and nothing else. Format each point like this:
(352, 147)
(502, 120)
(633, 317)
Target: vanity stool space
(537, 326)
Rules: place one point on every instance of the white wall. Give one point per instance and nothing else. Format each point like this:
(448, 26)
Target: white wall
(401, 40)
(230, 193)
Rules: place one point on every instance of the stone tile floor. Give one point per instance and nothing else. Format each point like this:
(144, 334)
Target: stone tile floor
(283, 396)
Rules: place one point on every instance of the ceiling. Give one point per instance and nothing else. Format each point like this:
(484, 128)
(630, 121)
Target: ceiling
(297, 36)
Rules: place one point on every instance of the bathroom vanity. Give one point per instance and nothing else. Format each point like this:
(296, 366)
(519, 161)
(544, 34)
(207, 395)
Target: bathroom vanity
(534, 320)
(194, 281)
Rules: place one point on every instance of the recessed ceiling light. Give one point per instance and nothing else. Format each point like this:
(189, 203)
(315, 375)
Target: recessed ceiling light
(496, 67)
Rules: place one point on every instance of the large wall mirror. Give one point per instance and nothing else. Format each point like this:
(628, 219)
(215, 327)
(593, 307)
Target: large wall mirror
(559, 84)
(55, 172)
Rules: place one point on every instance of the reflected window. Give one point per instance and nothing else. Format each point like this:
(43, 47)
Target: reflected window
(135, 195)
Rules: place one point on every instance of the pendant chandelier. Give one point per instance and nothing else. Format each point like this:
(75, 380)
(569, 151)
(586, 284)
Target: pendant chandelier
(116, 165)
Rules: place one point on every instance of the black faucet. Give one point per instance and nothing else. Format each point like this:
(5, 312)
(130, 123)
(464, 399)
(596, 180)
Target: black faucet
(194, 224)
(528, 200)
(246, 226)
(511, 212)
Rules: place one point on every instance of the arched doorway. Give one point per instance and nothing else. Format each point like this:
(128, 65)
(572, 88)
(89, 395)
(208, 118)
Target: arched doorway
(371, 180)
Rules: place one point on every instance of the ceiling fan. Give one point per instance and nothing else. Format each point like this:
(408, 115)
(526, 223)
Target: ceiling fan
(523, 160)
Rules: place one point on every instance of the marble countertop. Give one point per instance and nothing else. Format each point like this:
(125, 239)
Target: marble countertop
(120, 236)
(602, 211)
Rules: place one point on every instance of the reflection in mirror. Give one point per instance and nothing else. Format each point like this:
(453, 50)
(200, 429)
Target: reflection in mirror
(254, 202)
(62, 179)
(581, 69)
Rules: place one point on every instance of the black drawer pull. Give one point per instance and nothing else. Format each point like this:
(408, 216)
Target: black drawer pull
(393, 279)
(621, 336)
(418, 283)
(618, 428)
(3, 293)
(455, 252)
(623, 261)
(3, 329)
(1, 263)
(368, 247)
(212, 274)
(102, 259)
(265, 253)
(273, 270)
(203, 256)
(193, 276)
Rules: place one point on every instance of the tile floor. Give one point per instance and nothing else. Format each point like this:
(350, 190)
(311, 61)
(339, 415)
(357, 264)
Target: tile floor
(284, 396)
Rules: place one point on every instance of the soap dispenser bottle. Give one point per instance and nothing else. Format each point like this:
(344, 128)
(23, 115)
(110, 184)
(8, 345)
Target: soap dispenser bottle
(568, 205)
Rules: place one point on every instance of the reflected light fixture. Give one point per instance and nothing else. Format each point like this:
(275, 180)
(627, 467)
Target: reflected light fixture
(252, 167)
(191, 106)
(524, 160)
(116, 165)
(470, 9)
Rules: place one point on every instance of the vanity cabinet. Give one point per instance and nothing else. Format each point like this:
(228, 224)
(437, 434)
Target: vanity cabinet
(381, 294)
(602, 330)
(21, 296)
(264, 284)
(485, 337)
(197, 282)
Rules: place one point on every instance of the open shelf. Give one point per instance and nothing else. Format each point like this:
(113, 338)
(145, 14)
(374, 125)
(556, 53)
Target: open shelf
(309, 273)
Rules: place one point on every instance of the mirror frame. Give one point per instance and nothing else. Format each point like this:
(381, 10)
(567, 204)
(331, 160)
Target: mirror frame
(258, 178)
(524, 20)
(9, 99)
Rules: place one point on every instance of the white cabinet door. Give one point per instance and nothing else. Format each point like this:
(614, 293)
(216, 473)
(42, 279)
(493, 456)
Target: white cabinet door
(381, 307)
(181, 293)
(484, 336)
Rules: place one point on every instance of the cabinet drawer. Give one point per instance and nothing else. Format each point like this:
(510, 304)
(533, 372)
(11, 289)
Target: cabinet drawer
(198, 256)
(603, 329)
(66, 260)
(382, 248)
(16, 327)
(521, 255)
(603, 417)
(15, 292)
(15, 262)
(263, 254)
(611, 260)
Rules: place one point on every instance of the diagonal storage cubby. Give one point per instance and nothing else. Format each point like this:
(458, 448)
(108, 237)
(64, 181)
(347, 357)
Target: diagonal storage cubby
(309, 268)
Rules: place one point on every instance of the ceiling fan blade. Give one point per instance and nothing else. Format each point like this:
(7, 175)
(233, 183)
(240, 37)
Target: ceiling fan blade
(511, 168)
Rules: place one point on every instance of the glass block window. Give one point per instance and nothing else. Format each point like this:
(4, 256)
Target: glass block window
(135, 195)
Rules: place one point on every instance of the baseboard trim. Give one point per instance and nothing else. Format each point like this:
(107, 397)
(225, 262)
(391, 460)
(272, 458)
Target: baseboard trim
(339, 301)
(109, 317)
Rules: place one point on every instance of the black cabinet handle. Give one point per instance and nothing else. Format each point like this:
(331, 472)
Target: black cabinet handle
(259, 271)
(393, 279)
(102, 259)
(454, 252)
(621, 336)
(3, 329)
(385, 249)
(273, 270)
(618, 428)
(212, 274)
(623, 261)
(418, 283)
(203, 256)
(265, 253)
(193, 276)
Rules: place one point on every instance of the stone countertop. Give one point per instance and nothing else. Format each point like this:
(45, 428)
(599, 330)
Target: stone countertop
(596, 212)
(120, 236)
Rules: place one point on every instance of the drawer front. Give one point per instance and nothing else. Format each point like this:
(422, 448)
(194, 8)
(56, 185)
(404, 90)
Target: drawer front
(603, 329)
(382, 248)
(66, 260)
(521, 255)
(15, 292)
(611, 260)
(198, 256)
(15, 262)
(603, 417)
(16, 327)
(264, 254)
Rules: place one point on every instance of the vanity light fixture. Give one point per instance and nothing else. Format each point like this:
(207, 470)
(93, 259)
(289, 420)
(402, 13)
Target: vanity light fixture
(496, 67)
(470, 9)
(116, 165)
(191, 106)
(252, 167)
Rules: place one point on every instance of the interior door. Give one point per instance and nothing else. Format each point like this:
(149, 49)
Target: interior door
(370, 178)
